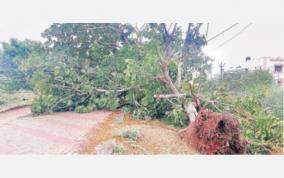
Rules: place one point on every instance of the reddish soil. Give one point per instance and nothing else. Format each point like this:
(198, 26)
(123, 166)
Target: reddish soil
(154, 137)
(214, 133)
(57, 133)
(73, 133)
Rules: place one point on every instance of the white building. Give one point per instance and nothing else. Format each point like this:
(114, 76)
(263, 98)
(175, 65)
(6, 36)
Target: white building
(273, 64)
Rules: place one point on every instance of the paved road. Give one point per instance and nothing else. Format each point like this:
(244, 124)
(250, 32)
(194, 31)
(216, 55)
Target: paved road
(57, 133)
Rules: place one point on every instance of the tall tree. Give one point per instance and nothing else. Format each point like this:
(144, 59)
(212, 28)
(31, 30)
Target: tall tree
(77, 39)
(13, 55)
(185, 52)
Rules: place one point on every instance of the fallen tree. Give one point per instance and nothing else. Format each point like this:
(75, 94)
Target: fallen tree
(215, 133)
(208, 132)
(157, 58)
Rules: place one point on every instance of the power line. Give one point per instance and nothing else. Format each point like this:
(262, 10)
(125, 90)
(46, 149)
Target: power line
(212, 38)
(207, 29)
(227, 41)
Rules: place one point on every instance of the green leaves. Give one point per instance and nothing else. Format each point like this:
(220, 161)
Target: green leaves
(148, 99)
(177, 117)
(17, 63)
(263, 130)
(43, 104)
(84, 57)
(76, 39)
(256, 101)
(107, 102)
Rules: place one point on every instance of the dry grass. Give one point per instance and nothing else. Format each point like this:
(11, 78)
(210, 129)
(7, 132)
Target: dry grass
(15, 100)
(277, 151)
(154, 137)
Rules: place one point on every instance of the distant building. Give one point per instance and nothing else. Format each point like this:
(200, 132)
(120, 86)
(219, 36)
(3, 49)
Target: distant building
(273, 64)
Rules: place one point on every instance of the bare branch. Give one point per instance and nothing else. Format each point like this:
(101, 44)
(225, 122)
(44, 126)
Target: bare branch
(170, 26)
(157, 96)
(100, 90)
(179, 74)
(165, 30)
(174, 29)
(207, 30)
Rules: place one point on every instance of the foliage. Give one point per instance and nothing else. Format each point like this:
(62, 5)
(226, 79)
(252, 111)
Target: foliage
(245, 82)
(177, 117)
(131, 134)
(260, 126)
(2, 101)
(13, 73)
(76, 39)
(2, 98)
(274, 100)
(119, 149)
(85, 109)
(15, 98)
(122, 77)
(42, 104)
(85, 67)
(254, 98)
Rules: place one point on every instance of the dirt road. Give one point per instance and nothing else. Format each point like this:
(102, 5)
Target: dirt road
(58, 133)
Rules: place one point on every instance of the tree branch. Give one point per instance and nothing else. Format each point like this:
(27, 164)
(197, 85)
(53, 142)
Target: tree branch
(179, 74)
(100, 90)
(189, 109)
(174, 29)
(157, 96)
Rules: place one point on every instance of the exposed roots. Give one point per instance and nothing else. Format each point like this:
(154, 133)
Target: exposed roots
(214, 133)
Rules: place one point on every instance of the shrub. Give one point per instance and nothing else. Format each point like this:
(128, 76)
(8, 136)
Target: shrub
(85, 109)
(256, 101)
(177, 118)
(13, 75)
(43, 104)
(131, 134)
(274, 100)
(260, 127)
(2, 102)
(78, 70)
(106, 102)
(119, 149)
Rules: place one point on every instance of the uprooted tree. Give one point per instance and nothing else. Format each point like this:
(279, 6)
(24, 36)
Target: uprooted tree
(181, 54)
(152, 71)
(143, 65)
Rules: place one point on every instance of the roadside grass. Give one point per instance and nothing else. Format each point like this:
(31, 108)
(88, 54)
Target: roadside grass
(10, 100)
(136, 136)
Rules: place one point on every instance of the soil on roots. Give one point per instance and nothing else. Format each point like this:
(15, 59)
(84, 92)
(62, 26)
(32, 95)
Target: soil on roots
(214, 133)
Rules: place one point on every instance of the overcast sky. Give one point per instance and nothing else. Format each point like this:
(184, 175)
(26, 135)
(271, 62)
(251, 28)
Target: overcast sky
(260, 39)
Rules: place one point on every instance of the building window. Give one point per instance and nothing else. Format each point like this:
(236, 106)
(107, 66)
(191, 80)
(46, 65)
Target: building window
(278, 68)
(248, 58)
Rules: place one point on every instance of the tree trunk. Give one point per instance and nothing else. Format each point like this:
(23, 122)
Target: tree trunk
(179, 74)
(189, 108)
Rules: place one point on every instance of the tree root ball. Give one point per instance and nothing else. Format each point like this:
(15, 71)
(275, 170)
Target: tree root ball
(214, 133)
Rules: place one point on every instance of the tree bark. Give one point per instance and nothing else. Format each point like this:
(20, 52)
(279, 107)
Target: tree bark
(169, 96)
(179, 74)
(189, 108)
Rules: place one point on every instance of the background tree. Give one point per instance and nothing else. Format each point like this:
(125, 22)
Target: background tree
(13, 55)
(76, 39)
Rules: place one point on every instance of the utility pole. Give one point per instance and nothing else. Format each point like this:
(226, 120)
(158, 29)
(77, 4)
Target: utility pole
(221, 65)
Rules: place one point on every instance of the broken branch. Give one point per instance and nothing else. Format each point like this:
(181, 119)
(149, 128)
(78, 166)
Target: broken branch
(169, 95)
